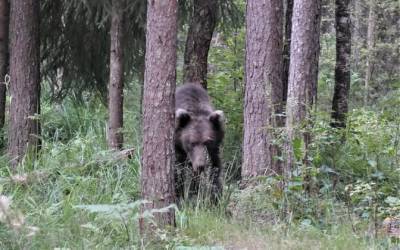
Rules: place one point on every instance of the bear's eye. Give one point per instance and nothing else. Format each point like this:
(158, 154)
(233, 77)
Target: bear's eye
(190, 145)
(208, 142)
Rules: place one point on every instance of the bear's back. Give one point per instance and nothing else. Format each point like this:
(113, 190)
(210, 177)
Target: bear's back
(193, 98)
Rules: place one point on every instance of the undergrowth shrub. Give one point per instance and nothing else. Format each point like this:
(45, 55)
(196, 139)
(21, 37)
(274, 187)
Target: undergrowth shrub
(74, 168)
(352, 176)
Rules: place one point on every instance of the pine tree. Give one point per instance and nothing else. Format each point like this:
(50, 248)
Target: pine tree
(24, 126)
(342, 70)
(263, 90)
(198, 41)
(158, 110)
(4, 22)
(116, 82)
(303, 72)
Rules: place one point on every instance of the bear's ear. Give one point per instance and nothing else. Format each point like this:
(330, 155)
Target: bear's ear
(217, 119)
(182, 118)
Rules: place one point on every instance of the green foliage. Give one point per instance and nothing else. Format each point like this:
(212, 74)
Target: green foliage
(326, 80)
(208, 228)
(75, 45)
(68, 119)
(74, 169)
(79, 195)
(359, 165)
(298, 148)
(349, 176)
(226, 90)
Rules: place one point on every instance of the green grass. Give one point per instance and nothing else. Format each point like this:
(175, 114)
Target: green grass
(210, 230)
(75, 170)
(70, 175)
(50, 204)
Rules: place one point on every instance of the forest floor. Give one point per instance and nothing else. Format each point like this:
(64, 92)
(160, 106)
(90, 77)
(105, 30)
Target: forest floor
(209, 231)
(92, 206)
(79, 195)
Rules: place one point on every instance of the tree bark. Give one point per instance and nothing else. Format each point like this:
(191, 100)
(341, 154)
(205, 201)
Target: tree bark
(24, 127)
(370, 47)
(342, 70)
(286, 48)
(356, 37)
(263, 90)
(4, 22)
(303, 72)
(198, 41)
(116, 84)
(158, 110)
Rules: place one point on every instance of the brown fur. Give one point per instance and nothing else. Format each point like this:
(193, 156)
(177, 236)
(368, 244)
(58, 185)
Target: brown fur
(198, 135)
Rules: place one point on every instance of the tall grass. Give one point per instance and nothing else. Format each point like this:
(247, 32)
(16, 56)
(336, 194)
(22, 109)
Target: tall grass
(77, 195)
(74, 168)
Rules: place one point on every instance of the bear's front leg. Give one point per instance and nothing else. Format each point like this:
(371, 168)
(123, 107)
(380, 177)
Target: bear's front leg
(215, 176)
(179, 175)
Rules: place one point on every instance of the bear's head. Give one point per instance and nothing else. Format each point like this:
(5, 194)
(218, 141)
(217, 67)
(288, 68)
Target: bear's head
(199, 136)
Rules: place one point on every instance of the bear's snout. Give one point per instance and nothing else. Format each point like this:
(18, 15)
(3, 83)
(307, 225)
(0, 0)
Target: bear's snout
(198, 158)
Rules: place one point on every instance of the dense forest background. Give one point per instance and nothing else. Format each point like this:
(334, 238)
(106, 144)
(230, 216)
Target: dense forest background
(78, 184)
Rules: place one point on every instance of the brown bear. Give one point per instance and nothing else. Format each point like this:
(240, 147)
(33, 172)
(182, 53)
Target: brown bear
(199, 131)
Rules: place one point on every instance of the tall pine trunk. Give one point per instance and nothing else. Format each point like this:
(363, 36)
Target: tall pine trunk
(24, 127)
(356, 34)
(286, 48)
(370, 48)
(263, 90)
(303, 73)
(116, 84)
(342, 70)
(198, 41)
(4, 22)
(158, 110)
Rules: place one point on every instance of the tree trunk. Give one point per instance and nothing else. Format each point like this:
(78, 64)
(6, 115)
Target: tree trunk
(263, 90)
(198, 41)
(357, 40)
(116, 84)
(303, 72)
(24, 127)
(4, 22)
(286, 48)
(342, 70)
(370, 47)
(158, 110)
